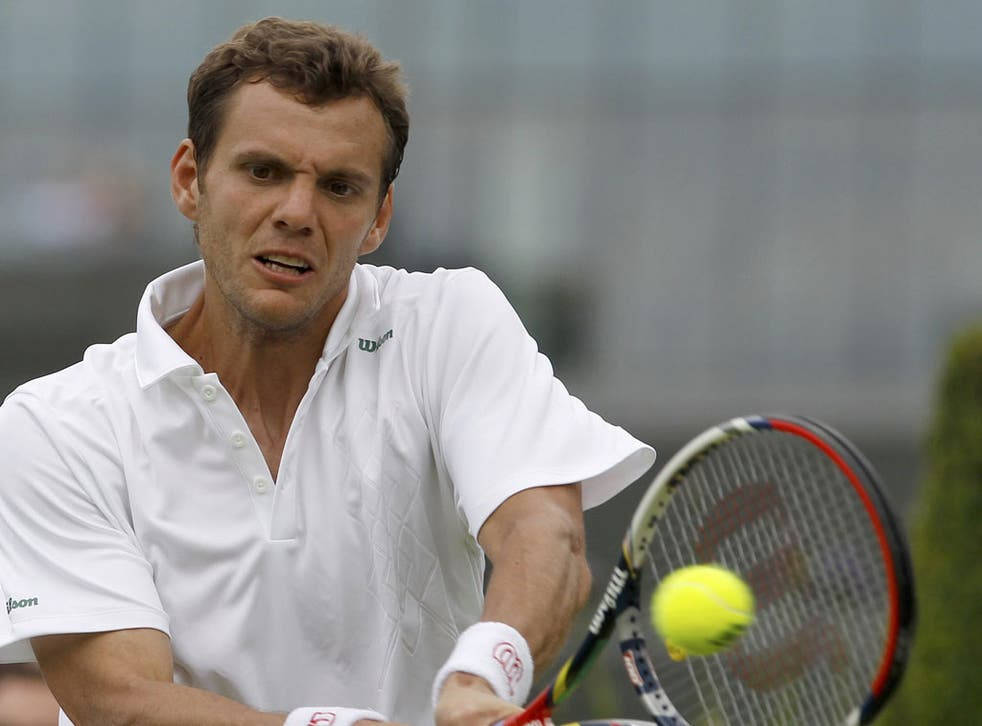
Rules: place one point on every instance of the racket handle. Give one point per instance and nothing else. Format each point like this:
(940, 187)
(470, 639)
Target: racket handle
(536, 713)
(596, 722)
(527, 719)
(522, 719)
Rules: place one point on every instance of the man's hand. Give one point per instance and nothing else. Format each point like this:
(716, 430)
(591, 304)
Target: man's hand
(467, 700)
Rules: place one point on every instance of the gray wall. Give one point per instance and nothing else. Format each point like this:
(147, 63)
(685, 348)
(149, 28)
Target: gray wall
(700, 209)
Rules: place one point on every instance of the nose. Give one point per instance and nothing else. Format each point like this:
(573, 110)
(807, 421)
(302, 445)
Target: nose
(295, 211)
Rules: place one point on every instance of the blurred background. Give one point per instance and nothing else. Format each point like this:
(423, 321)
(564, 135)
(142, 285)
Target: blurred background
(699, 209)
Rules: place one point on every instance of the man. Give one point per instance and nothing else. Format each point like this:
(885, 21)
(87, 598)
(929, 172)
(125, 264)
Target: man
(271, 503)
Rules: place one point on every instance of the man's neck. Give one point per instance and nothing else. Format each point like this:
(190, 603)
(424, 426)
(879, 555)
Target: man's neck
(266, 373)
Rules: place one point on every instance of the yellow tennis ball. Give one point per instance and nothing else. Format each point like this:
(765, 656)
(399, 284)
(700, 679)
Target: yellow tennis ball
(701, 609)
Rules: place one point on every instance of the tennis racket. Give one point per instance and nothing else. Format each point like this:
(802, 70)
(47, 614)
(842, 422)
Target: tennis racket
(796, 510)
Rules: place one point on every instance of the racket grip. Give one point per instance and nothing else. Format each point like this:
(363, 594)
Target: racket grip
(527, 719)
(524, 719)
(537, 713)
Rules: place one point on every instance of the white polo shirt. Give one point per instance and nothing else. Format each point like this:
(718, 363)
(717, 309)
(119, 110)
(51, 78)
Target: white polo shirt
(133, 495)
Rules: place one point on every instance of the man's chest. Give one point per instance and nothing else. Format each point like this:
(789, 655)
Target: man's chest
(202, 472)
(357, 507)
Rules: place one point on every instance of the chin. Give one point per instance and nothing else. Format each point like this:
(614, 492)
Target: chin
(282, 322)
(277, 318)
(274, 310)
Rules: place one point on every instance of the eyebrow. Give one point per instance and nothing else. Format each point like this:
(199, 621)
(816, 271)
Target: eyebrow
(267, 158)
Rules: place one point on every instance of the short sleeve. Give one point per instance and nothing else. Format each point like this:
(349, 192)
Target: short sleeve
(69, 562)
(504, 422)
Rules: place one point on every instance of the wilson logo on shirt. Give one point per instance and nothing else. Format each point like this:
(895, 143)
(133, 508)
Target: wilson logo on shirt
(28, 602)
(370, 346)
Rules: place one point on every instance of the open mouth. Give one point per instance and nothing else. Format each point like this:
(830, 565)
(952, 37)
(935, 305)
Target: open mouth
(282, 263)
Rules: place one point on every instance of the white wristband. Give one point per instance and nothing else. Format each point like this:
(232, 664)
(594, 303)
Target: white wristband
(497, 653)
(329, 716)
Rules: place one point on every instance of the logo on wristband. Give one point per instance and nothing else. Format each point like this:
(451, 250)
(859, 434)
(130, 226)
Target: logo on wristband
(321, 718)
(511, 664)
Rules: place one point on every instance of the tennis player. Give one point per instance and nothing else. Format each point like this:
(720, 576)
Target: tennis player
(272, 502)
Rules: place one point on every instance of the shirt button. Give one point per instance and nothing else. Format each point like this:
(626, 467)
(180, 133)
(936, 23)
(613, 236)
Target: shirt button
(208, 392)
(238, 439)
(261, 485)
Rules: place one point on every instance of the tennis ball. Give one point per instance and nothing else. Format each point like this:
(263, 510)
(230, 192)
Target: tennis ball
(701, 609)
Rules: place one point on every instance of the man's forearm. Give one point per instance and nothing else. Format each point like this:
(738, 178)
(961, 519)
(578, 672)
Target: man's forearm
(158, 703)
(539, 581)
(124, 678)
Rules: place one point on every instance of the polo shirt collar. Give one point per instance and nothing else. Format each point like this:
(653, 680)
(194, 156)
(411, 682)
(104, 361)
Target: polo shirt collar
(363, 301)
(171, 295)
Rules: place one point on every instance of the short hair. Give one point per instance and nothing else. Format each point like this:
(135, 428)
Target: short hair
(315, 62)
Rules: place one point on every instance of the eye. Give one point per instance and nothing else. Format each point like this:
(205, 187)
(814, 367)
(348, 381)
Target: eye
(260, 172)
(340, 189)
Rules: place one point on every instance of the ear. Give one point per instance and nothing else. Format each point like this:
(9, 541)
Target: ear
(380, 227)
(184, 180)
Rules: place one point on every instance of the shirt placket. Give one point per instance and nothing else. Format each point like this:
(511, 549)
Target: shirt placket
(243, 451)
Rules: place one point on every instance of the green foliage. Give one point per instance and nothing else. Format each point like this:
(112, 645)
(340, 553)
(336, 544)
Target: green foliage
(942, 684)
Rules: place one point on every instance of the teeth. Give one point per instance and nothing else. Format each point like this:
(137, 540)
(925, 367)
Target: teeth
(281, 268)
(284, 260)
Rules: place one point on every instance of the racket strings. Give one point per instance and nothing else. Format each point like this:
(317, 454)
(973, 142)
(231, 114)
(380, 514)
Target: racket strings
(776, 575)
(773, 508)
(813, 617)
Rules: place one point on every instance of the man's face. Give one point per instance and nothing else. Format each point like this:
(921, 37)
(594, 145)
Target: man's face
(289, 200)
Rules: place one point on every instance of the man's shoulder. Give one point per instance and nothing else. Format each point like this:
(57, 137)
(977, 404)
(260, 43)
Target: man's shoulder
(83, 386)
(398, 286)
(447, 309)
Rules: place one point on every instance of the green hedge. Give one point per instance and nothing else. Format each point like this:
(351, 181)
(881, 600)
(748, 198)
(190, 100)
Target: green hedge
(943, 684)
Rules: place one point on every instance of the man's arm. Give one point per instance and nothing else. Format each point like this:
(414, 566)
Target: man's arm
(125, 677)
(540, 580)
(536, 544)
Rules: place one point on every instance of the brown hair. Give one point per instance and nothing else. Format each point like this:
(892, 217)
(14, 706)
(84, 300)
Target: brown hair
(318, 63)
